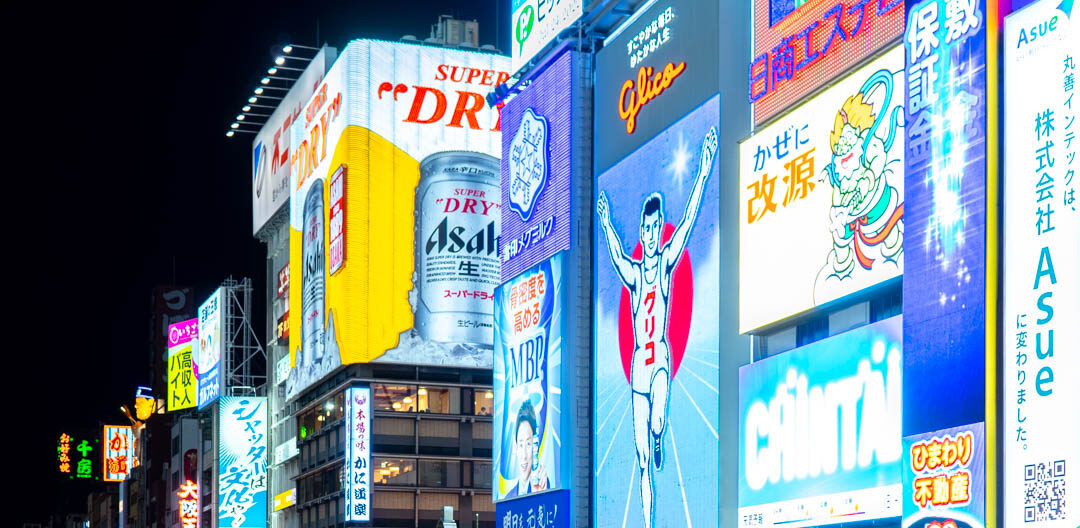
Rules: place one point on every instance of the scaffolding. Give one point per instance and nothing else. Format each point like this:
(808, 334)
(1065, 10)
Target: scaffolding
(243, 360)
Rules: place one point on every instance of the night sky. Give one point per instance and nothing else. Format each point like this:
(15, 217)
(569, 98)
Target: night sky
(125, 180)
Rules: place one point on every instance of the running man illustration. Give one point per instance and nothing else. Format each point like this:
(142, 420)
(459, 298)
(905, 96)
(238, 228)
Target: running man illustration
(649, 283)
(866, 214)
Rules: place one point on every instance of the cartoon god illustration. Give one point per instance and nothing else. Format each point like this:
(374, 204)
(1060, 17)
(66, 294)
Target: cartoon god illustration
(866, 212)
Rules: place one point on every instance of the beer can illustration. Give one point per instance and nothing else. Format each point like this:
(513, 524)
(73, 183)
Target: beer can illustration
(314, 277)
(457, 256)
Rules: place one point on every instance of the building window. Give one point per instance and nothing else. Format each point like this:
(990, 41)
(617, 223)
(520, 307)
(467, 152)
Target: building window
(481, 475)
(439, 400)
(398, 398)
(440, 474)
(394, 471)
(483, 402)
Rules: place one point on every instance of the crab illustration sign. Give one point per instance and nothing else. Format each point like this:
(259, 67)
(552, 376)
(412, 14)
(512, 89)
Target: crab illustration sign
(824, 184)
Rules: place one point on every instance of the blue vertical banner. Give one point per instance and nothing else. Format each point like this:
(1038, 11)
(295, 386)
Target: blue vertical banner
(657, 268)
(242, 462)
(358, 454)
(945, 183)
(529, 312)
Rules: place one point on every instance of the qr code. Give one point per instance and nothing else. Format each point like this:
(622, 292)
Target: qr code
(1044, 491)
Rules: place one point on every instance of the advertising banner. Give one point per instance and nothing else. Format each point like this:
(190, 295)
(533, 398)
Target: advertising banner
(537, 22)
(119, 453)
(1041, 286)
(169, 304)
(210, 346)
(657, 262)
(183, 385)
(358, 454)
(242, 462)
(944, 291)
(819, 430)
(271, 147)
(538, 170)
(418, 146)
(822, 206)
(658, 68)
(945, 478)
(529, 372)
(77, 455)
(550, 510)
(799, 46)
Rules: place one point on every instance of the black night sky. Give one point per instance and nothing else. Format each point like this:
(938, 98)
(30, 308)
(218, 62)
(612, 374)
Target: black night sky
(125, 180)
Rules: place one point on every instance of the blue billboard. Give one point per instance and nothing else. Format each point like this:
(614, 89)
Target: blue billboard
(945, 220)
(657, 269)
(242, 459)
(210, 346)
(528, 445)
(538, 132)
(542, 510)
(819, 431)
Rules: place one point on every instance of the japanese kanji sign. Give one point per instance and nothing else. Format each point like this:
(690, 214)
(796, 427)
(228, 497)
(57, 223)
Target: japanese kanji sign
(242, 495)
(542, 510)
(119, 452)
(358, 454)
(944, 477)
(1041, 281)
(822, 197)
(210, 347)
(188, 504)
(77, 455)
(183, 386)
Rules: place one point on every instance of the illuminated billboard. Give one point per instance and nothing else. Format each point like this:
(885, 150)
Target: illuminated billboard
(1041, 286)
(529, 373)
(539, 158)
(821, 210)
(77, 455)
(661, 65)
(183, 391)
(118, 456)
(242, 477)
(537, 22)
(819, 431)
(187, 502)
(210, 347)
(800, 46)
(944, 474)
(946, 227)
(358, 454)
(657, 269)
(406, 131)
(270, 148)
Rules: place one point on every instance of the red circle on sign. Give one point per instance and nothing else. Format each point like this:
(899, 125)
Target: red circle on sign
(680, 310)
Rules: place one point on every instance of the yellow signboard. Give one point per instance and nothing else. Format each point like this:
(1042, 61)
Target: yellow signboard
(285, 499)
(182, 382)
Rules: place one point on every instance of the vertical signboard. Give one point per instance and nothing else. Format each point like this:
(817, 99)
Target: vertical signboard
(358, 454)
(118, 456)
(271, 147)
(77, 455)
(660, 67)
(407, 132)
(945, 182)
(208, 360)
(1041, 305)
(183, 386)
(797, 50)
(819, 431)
(187, 502)
(242, 501)
(822, 203)
(657, 262)
(529, 374)
(536, 177)
(945, 478)
(537, 22)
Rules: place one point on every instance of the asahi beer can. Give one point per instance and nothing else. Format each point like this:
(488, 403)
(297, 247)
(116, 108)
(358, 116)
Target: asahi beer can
(314, 278)
(457, 254)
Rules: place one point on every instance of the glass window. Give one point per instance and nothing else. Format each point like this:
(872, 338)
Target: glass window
(394, 471)
(483, 402)
(439, 400)
(481, 475)
(440, 474)
(400, 398)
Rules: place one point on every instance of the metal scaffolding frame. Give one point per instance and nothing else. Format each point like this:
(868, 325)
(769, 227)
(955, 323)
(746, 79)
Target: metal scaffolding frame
(241, 375)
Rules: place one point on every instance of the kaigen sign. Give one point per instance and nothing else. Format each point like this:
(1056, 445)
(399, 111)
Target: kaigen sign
(1041, 283)
(816, 42)
(536, 177)
(821, 213)
(819, 431)
(657, 262)
(395, 159)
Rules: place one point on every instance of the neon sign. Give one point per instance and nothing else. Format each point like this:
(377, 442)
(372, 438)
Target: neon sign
(119, 456)
(188, 500)
(649, 86)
